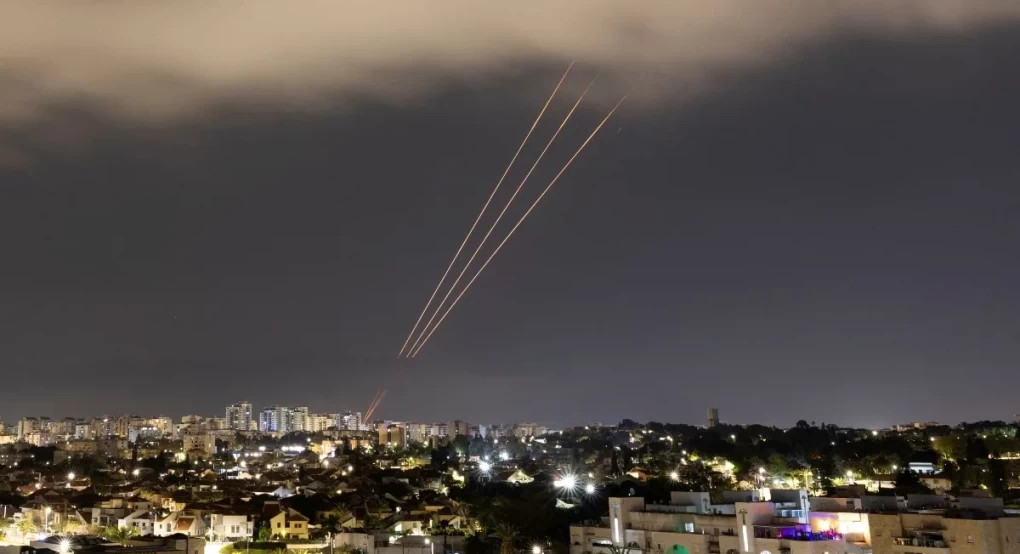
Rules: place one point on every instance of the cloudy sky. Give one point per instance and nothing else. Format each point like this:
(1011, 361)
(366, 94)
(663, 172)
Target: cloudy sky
(804, 210)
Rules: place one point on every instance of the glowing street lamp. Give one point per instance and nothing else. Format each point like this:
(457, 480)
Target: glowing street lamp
(536, 549)
(566, 482)
(65, 546)
(484, 466)
(70, 476)
(589, 489)
(674, 476)
(504, 455)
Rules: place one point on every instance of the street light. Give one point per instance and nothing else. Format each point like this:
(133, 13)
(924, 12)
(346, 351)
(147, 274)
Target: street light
(65, 546)
(589, 488)
(536, 549)
(70, 476)
(674, 476)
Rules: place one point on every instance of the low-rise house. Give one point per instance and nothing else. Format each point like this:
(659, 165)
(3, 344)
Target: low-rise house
(229, 525)
(180, 522)
(141, 520)
(286, 523)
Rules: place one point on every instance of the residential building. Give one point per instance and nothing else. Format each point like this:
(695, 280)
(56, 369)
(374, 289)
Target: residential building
(238, 416)
(299, 420)
(180, 522)
(456, 428)
(203, 444)
(713, 417)
(419, 433)
(230, 526)
(522, 430)
(321, 422)
(269, 419)
(29, 425)
(141, 520)
(920, 524)
(285, 523)
(393, 435)
(350, 421)
(692, 524)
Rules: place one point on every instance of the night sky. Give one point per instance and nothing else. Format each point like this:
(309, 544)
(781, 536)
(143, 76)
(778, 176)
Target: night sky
(828, 232)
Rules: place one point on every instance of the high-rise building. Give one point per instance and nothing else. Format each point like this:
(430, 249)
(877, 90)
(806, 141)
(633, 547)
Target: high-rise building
(456, 428)
(300, 420)
(419, 433)
(350, 421)
(713, 417)
(269, 419)
(321, 422)
(239, 416)
(393, 435)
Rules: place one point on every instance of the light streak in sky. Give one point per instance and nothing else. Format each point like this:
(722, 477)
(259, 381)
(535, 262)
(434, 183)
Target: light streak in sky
(518, 224)
(501, 214)
(375, 404)
(484, 207)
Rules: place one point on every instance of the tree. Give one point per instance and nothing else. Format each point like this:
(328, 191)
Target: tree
(506, 534)
(464, 511)
(27, 526)
(908, 482)
(330, 526)
(73, 527)
(120, 534)
(264, 534)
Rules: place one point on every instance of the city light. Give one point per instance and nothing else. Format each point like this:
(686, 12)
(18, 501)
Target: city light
(761, 471)
(536, 549)
(874, 433)
(65, 545)
(504, 455)
(674, 476)
(138, 472)
(589, 488)
(566, 482)
(484, 466)
(70, 476)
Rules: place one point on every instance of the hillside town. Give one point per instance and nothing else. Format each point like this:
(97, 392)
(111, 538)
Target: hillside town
(279, 483)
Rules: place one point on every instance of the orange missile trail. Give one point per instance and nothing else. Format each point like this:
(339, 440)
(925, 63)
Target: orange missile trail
(519, 221)
(375, 404)
(500, 216)
(484, 207)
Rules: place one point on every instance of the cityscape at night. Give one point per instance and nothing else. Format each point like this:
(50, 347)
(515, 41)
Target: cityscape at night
(489, 277)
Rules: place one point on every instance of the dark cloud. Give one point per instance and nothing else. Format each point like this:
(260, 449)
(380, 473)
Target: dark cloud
(828, 236)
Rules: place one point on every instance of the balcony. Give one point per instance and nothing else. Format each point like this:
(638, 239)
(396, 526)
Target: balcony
(795, 534)
(917, 545)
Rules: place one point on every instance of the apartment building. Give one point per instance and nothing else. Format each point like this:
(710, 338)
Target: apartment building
(788, 522)
(921, 524)
(692, 524)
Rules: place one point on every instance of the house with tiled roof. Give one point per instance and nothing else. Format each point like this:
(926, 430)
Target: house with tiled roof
(141, 520)
(180, 522)
(286, 523)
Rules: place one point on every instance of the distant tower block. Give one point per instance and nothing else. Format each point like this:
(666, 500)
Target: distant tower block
(713, 417)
